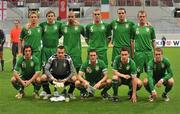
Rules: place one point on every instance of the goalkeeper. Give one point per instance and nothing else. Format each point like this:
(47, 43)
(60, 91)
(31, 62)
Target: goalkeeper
(59, 68)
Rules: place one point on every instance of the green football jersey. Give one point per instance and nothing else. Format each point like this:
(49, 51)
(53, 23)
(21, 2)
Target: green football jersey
(72, 39)
(93, 73)
(27, 68)
(157, 71)
(128, 68)
(143, 37)
(72, 42)
(122, 33)
(98, 34)
(50, 34)
(32, 37)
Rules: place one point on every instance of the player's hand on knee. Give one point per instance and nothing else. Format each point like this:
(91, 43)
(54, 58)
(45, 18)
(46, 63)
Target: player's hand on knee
(160, 82)
(86, 84)
(154, 94)
(96, 86)
(126, 76)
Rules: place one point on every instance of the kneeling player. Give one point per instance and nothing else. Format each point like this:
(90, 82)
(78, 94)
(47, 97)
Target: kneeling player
(159, 72)
(95, 76)
(59, 68)
(124, 71)
(26, 71)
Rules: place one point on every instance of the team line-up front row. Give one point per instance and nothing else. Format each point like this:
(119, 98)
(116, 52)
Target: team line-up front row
(92, 75)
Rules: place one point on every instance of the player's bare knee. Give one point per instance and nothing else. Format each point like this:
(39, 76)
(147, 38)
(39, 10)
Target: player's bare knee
(38, 80)
(108, 81)
(145, 81)
(171, 82)
(44, 77)
(115, 77)
(74, 78)
(13, 79)
(77, 83)
(139, 82)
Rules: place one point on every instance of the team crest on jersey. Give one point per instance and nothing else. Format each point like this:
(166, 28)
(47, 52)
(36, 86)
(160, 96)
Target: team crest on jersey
(162, 65)
(115, 26)
(91, 29)
(97, 68)
(138, 69)
(88, 70)
(45, 28)
(23, 64)
(75, 28)
(120, 66)
(55, 27)
(29, 32)
(65, 30)
(64, 64)
(102, 27)
(127, 26)
(147, 30)
(137, 31)
(39, 30)
(31, 63)
(127, 67)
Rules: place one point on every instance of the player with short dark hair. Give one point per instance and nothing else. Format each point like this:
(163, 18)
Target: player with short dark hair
(59, 68)
(124, 71)
(93, 73)
(159, 73)
(122, 32)
(26, 71)
(98, 36)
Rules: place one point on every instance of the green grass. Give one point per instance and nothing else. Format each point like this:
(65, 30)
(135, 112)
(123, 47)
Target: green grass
(28, 105)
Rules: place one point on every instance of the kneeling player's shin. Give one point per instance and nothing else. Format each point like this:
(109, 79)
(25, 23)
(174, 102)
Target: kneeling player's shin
(45, 86)
(115, 87)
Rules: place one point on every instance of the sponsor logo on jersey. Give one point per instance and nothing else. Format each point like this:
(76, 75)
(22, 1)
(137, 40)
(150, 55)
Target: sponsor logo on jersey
(39, 30)
(138, 69)
(120, 66)
(29, 32)
(137, 31)
(102, 27)
(88, 70)
(45, 28)
(55, 27)
(91, 29)
(115, 26)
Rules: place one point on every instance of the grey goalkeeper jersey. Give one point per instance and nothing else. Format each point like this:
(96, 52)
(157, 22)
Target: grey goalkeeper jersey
(59, 69)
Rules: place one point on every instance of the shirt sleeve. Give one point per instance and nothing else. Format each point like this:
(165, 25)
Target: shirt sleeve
(108, 31)
(169, 72)
(150, 76)
(82, 31)
(133, 69)
(87, 31)
(23, 34)
(153, 35)
(83, 68)
(72, 69)
(104, 68)
(18, 65)
(37, 65)
(115, 63)
(48, 67)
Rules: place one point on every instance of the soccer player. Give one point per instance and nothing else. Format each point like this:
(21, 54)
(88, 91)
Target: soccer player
(59, 68)
(15, 39)
(124, 71)
(143, 42)
(98, 36)
(50, 36)
(50, 40)
(159, 73)
(93, 73)
(26, 71)
(31, 35)
(2, 41)
(72, 32)
(122, 32)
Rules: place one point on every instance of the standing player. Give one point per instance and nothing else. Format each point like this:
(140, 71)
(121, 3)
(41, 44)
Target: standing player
(124, 71)
(2, 41)
(159, 73)
(15, 36)
(122, 32)
(144, 38)
(50, 41)
(31, 35)
(98, 36)
(59, 68)
(26, 71)
(72, 32)
(95, 75)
